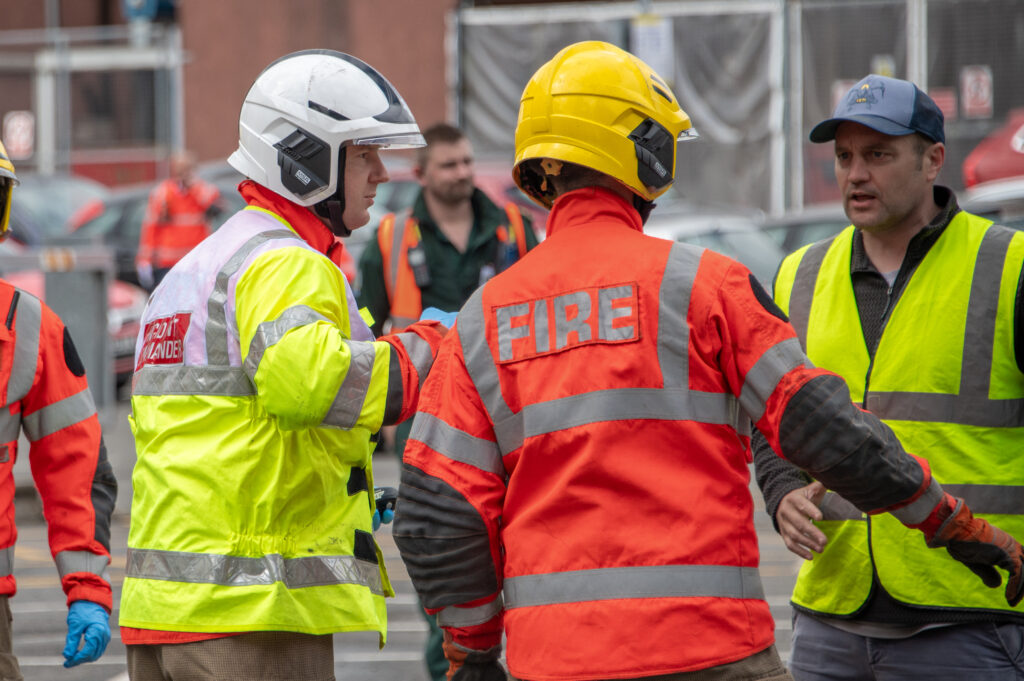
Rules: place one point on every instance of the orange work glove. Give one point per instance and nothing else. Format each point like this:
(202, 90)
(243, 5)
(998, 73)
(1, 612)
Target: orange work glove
(980, 546)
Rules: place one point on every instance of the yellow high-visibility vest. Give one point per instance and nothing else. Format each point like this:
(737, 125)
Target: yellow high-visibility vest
(945, 379)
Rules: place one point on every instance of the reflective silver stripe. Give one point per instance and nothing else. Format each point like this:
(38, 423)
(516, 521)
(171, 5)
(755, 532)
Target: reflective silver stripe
(935, 408)
(59, 415)
(656, 581)
(348, 403)
(216, 323)
(616, 405)
(835, 507)
(210, 568)
(468, 617)
(27, 323)
(456, 444)
(420, 354)
(479, 362)
(269, 333)
(991, 499)
(971, 405)
(917, 511)
(1001, 499)
(802, 295)
(191, 380)
(81, 561)
(7, 561)
(10, 425)
(673, 306)
(764, 376)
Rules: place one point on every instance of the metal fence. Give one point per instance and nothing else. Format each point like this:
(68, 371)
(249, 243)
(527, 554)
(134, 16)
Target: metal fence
(755, 76)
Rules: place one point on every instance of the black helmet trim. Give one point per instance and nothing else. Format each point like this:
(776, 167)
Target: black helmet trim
(305, 162)
(395, 113)
(655, 150)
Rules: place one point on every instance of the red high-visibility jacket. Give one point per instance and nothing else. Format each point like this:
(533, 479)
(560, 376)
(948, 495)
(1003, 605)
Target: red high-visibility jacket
(578, 466)
(43, 391)
(175, 221)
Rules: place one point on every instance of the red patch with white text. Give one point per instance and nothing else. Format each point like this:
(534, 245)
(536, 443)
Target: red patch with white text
(163, 340)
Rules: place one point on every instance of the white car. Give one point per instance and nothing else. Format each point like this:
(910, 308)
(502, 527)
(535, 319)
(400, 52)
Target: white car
(734, 233)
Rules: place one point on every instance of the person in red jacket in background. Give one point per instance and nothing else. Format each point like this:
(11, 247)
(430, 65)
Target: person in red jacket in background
(577, 473)
(44, 392)
(177, 218)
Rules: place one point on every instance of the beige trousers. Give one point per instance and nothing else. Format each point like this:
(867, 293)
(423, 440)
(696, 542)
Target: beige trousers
(255, 656)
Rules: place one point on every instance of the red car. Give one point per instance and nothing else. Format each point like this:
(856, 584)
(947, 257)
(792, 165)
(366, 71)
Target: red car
(125, 305)
(998, 156)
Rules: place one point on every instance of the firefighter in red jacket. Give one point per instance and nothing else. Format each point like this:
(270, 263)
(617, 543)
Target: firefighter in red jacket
(577, 473)
(43, 391)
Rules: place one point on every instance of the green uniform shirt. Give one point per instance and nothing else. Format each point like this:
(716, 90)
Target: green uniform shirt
(453, 275)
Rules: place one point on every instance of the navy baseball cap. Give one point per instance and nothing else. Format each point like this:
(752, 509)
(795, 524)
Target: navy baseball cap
(888, 105)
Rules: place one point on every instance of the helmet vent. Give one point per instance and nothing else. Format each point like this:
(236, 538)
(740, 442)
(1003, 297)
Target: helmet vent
(662, 93)
(327, 111)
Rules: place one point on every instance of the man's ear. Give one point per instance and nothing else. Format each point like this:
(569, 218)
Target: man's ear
(417, 171)
(935, 157)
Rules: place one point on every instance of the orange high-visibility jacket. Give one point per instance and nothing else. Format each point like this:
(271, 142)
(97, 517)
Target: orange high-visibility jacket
(175, 221)
(43, 390)
(578, 465)
(404, 297)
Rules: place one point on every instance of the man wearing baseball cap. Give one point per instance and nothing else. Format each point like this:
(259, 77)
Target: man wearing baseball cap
(920, 307)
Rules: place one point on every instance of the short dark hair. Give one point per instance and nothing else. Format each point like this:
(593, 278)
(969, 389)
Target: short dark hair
(439, 133)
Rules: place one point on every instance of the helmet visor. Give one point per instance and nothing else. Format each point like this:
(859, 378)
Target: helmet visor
(688, 134)
(403, 141)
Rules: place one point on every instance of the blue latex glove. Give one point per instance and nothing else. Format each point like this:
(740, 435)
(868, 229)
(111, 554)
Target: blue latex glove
(88, 621)
(447, 319)
(384, 499)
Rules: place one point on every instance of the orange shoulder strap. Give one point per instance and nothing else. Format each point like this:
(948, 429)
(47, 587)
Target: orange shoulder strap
(395, 236)
(517, 230)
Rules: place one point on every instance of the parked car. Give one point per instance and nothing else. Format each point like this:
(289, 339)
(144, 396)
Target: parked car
(44, 204)
(116, 221)
(125, 305)
(998, 156)
(806, 225)
(999, 200)
(737, 234)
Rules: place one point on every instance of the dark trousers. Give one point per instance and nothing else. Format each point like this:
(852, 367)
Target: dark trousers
(255, 656)
(961, 652)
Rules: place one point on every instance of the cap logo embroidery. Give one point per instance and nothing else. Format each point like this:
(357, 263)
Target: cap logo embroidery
(866, 94)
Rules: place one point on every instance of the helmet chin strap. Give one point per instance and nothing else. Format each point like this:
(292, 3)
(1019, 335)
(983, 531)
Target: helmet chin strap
(333, 208)
(644, 207)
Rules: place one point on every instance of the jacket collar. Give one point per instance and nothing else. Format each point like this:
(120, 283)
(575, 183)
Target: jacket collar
(589, 205)
(301, 219)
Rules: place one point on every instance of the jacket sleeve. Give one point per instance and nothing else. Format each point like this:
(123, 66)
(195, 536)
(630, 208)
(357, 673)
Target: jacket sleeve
(69, 465)
(296, 347)
(450, 505)
(805, 413)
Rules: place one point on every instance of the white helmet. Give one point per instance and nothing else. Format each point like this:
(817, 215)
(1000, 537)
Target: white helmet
(301, 113)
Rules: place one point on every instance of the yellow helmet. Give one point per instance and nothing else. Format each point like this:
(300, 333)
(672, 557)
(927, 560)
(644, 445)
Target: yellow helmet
(8, 181)
(598, 106)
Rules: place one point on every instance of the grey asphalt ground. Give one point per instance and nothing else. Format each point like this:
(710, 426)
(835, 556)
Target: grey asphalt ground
(39, 609)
